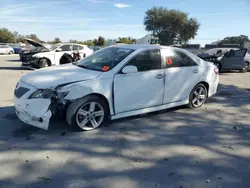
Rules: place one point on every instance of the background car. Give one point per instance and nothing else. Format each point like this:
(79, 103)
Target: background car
(228, 58)
(115, 82)
(16, 47)
(33, 47)
(6, 49)
(54, 55)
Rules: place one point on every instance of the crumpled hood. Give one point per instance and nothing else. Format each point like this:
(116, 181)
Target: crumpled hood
(53, 76)
(35, 43)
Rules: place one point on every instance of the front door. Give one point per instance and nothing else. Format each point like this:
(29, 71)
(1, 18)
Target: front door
(233, 59)
(141, 89)
(182, 74)
(66, 48)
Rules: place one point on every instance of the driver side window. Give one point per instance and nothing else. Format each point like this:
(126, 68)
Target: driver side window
(147, 60)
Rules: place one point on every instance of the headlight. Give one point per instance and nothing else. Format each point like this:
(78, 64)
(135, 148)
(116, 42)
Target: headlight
(42, 94)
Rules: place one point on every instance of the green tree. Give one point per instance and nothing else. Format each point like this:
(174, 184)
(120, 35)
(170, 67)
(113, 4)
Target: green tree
(18, 37)
(89, 43)
(100, 41)
(33, 37)
(6, 36)
(170, 26)
(57, 40)
(110, 42)
(126, 40)
(235, 40)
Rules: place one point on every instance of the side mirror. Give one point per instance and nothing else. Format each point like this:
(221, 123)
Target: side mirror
(59, 50)
(129, 69)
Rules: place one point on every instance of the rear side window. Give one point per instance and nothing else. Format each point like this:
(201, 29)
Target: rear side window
(178, 59)
(147, 60)
(77, 47)
(239, 53)
(66, 47)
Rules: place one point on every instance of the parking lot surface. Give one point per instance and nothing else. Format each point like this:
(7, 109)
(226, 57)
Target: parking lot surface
(176, 148)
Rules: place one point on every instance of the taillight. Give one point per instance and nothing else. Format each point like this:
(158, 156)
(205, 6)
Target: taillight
(216, 70)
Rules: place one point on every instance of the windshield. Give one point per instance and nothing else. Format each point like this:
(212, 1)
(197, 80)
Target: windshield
(55, 46)
(212, 51)
(217, 50)
(105, 59)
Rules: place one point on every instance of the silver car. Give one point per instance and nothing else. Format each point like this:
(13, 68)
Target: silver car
(5, 49)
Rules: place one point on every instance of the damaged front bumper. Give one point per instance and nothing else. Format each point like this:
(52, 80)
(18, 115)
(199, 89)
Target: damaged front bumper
(34, 112)
(31, 63)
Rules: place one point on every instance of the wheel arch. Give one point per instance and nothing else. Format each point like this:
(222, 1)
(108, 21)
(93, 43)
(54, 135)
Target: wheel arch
(206, 84)
(247, 61)
(49, 61)
(102, 97)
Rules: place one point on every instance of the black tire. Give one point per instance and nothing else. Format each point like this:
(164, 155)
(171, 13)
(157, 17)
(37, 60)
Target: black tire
(191, 104)
(245, 67)
(10, 52)
(43, 63)
(73, 108)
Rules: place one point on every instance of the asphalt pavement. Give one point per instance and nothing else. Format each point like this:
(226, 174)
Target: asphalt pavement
(177, 148)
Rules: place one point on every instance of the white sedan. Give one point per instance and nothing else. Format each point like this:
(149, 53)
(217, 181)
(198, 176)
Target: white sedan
(115, 82)
(6, 49)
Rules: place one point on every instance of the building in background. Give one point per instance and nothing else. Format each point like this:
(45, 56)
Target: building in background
(148, 39)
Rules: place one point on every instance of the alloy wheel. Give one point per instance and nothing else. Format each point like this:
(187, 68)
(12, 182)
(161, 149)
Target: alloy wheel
(90, 116)
(199, 97)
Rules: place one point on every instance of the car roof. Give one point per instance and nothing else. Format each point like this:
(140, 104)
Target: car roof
(67, 43)
(145, 46)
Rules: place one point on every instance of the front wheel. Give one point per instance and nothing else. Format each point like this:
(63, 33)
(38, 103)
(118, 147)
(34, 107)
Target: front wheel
(43, 63)
(10, 52)
(245, 67)
(87, 113)
(198, 96)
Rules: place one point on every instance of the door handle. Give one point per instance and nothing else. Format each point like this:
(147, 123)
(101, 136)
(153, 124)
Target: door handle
(159, 76)
(195, 71)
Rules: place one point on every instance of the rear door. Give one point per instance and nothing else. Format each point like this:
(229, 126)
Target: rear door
(182, 73)
(78, 48)
(66, 48)
(233, 59)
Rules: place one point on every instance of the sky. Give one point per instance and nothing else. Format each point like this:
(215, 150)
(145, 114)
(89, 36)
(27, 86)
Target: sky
(88, 19)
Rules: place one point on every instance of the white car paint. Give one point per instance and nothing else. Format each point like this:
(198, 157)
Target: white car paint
(5, 49)
(31, 110)
(127, 94)
(54, 56)
(59, 75)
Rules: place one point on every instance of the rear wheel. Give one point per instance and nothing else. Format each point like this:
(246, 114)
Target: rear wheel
(43, 63)
(87, 113)
(245, 67)
(198, 96)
